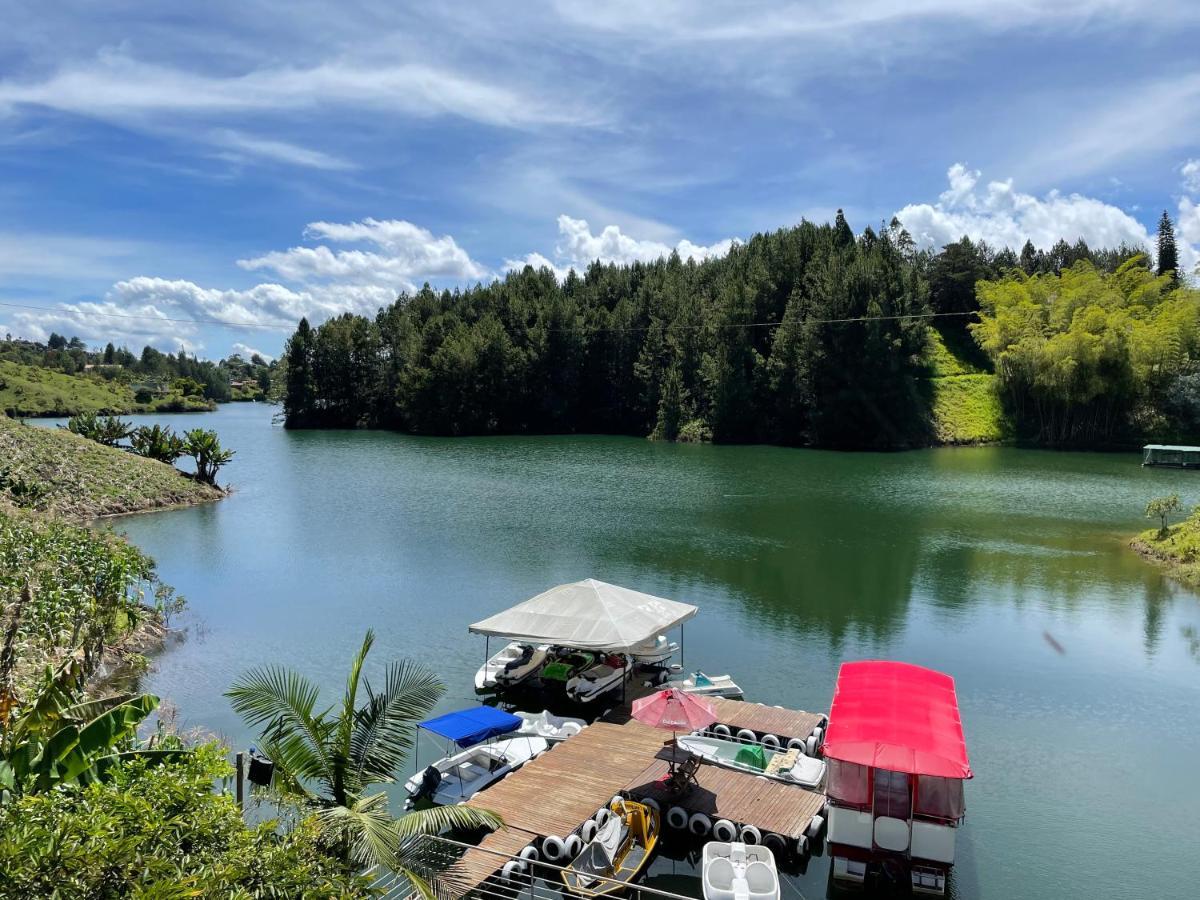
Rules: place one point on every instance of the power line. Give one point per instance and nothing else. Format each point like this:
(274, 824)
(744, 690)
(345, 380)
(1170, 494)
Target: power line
(637, 328)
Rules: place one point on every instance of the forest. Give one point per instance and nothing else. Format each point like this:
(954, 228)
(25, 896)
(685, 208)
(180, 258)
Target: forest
(808, 335)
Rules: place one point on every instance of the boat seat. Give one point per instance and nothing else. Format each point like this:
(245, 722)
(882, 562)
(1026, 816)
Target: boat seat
(720, 873)
(470, 771)
(759, 877)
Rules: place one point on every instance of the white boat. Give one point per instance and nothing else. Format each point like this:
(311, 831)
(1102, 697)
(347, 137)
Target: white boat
(789, 766)
(599, 679)
(739, 872)
(512, 665)
(709, 686)
(654, 652)
(549, 726)
(461, 776)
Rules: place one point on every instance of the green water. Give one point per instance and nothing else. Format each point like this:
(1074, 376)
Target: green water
(1086, 760)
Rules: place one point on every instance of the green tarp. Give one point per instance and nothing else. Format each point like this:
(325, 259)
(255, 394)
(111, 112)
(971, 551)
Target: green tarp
(753, 757)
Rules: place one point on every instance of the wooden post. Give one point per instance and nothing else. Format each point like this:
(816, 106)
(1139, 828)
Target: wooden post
(240, 766)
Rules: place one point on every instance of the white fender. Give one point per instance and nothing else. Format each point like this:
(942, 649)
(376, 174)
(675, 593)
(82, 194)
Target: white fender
(722, 731)
(818, 733)
(815, 827)
(810, 746)
(571, 729)
(724, 830)
(677, 817)
(588, 831)
(802, 846)
(513, 870)
(553, 848)
(602, 815)
(796, 744)
(751, 835)
(699, 824)
(573, 845)
(530, 854)
(770, 742)
(616, 802)
(747, 736)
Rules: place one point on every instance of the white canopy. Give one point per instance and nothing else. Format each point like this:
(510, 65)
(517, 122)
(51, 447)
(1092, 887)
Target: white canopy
(588, 615)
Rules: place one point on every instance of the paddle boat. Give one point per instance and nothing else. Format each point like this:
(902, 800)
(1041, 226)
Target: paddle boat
(549, 726)
(459, 776)
(738, 871)
(606, 675)
(708, 686)
(563, 665)
(618, 853)
(513, 664)
(788, 766)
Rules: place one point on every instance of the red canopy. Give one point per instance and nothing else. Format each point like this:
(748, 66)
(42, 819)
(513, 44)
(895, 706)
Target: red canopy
(896, 716)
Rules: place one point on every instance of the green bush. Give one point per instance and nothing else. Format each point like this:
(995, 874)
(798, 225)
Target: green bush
(159, 831)
(157, 442)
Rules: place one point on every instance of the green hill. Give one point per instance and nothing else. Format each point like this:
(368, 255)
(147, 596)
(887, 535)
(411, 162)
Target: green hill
(965, 406)
(52, 470)
(37, 391)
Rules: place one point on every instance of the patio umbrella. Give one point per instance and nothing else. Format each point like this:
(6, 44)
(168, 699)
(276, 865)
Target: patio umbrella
(674, 710)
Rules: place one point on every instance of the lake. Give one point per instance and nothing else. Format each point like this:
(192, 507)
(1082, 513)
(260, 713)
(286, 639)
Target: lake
(972, 561)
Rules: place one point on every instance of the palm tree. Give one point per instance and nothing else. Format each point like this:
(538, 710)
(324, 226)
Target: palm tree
(330, 760)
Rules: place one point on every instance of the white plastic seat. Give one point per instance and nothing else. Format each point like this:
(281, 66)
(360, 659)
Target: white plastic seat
(720, 873)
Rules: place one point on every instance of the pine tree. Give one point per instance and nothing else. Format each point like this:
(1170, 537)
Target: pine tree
(1168, 258)
(300, 401)
(842, 235)
(110, 354)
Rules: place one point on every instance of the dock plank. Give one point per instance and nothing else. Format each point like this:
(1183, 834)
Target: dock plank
(783, 723)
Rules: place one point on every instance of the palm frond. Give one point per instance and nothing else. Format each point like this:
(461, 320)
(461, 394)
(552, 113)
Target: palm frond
(437, 819)
(345, 724)
(365, 829)
(385, 729)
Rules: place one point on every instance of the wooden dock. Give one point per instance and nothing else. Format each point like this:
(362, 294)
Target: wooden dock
(783, 723)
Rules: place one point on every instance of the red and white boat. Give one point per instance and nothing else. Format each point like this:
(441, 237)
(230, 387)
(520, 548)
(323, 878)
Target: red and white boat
(897, 761)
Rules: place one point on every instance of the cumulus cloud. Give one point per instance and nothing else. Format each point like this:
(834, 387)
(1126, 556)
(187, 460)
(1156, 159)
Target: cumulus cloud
(1191, 176)
(578, 247)
(246, 352)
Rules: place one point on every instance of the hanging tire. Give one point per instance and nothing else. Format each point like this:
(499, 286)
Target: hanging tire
(818, 733)
(588, 831)
(770, 742)
(699, 824)
(677, 817)
(722, 731)
(810, 746)
(617, 802)
(553, 848)
(513, 871)
(751, 835)
(802, 846)
(815, 826)
(746, 736)
(796, 744)
(651, 803)
(573, 845)
(602, 815)
(776, 843)
(724, 830)
(530, 854)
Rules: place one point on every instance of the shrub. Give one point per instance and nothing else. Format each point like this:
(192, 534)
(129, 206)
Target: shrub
(157, 442)
(108, 430)
(210, 456)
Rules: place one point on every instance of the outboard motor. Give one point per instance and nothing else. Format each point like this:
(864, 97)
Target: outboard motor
(430, 779)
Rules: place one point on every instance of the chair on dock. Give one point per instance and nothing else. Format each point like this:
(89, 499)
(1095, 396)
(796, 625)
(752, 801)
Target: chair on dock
(681, 778)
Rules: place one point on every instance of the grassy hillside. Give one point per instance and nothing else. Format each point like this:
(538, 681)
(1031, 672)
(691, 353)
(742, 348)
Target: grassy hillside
(52, 470)
(966, 408)
(37, 391)
(1177, 549)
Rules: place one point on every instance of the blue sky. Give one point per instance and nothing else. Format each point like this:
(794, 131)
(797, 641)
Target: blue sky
(252, 162)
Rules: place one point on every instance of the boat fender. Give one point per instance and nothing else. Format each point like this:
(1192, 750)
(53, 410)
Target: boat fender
(747, 736)
(824, 723)
(770, 742)
(810, 746)
(602, 815)
(815, 826)
(776, 843)
(651, 803)
(796, 744)
(553, 848)
(818, 733)
(530, 854)
(724, 830)
(616, 803)
(677, 817)
(570, 729)
(513, 870)
(573, 845)
(699, 824)
(721, 731)
(802, 846)
(825, 810)
(588, 831)
(751, 835)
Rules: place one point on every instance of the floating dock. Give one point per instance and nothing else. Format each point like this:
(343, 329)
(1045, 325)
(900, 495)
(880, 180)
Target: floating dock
(559, 790)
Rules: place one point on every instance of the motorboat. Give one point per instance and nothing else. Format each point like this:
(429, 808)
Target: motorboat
(549, 726)
(513, 664)
(563, 665)
(654, 652)
(789, 766)
(607, 674)
(709, 686)
(461, 776)
(622, 847)
(739, 872)
(479, 760)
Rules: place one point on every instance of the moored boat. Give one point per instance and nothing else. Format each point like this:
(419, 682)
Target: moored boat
(709, 686)
(563, 665)
(512, 665)
(606, 675)
(549, 726)
(735, 871)
(618, 853)
(788, 766)
(655, 652)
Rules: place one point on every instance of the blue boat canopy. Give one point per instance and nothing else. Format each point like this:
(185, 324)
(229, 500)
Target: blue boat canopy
(470, 726)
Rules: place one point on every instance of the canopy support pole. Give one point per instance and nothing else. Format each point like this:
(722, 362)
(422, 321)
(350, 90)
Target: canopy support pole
(681, 649)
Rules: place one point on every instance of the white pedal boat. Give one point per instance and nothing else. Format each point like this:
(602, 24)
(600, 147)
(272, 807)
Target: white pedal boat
(739, 872)
(459, 777)
(654, 652)
(549, 726)
(598, 680)
(788, 766)
(512, 665)
(708, 686)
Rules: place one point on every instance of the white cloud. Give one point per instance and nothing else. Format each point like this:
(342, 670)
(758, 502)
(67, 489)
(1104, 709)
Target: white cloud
(1190, 171)
(578, 247)
(241, 145)
(246, 352)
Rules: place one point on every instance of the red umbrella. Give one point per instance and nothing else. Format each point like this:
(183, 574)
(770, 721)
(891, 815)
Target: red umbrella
(674, 710)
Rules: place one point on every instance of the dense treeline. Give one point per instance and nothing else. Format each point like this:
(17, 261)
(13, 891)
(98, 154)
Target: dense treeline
(754, 346)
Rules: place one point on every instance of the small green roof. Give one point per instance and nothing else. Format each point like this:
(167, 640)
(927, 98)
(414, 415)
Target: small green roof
(1172, 447)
